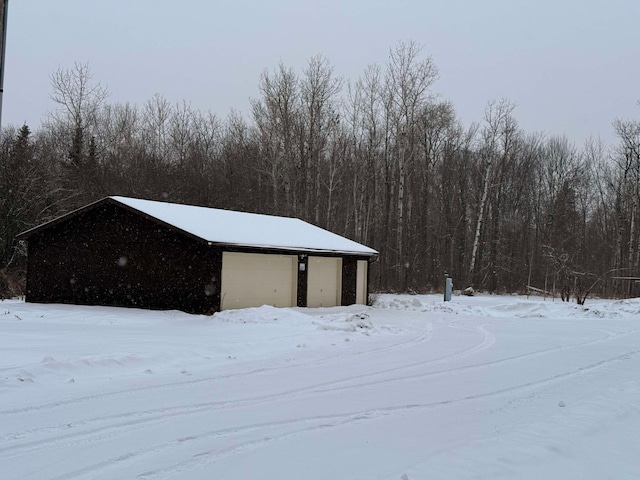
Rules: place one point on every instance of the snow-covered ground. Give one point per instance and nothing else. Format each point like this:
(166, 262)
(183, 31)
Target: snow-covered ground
(483, 387)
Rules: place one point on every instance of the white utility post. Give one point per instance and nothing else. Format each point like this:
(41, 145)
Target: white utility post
(448, 288)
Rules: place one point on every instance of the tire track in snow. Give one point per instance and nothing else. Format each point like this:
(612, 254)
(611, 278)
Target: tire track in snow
(309, 424)
(610, 336)
(209, 456)
(157, 415)
(96, 425)
(424, 336)
(132, 421)
(153, 415)
(485, 343)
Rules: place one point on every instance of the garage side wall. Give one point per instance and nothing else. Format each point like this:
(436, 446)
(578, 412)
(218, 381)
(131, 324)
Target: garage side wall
(111, 256)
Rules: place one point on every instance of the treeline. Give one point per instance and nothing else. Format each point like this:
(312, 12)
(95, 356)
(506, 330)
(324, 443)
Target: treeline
(382, 160)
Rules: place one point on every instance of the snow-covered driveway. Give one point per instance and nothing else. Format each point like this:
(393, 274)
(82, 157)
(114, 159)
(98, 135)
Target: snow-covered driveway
(414, 388)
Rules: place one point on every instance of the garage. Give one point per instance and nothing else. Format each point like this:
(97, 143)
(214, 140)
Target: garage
(253, 279)
(141, 253)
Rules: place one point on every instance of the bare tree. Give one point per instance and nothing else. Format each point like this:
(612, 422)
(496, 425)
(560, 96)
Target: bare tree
(276, 115)
(156, 124)
(407, 89)
(79, 100)
(627, 157)
(318, 95)
(75, 124)
(498, 137)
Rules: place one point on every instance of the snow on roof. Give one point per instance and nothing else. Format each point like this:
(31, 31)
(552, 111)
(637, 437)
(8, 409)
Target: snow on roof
(246, 229)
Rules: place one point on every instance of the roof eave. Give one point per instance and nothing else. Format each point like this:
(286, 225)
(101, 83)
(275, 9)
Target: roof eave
(373, 253)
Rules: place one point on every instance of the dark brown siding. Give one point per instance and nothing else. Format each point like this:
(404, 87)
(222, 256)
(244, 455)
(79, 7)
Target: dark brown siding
(302, 280)
(349, 280)
(111, 256)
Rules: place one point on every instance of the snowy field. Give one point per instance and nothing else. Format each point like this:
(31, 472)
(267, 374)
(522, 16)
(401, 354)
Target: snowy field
(484, 387)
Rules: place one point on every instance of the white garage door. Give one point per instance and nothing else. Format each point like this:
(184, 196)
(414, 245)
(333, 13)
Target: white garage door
(253, 280)
(324, 282)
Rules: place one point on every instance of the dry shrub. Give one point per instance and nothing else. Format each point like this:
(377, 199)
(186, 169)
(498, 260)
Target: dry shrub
(13, 282)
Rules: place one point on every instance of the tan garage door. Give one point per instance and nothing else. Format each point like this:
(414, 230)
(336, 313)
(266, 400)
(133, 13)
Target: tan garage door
(253, 280)
(361, 282)
(324, 282)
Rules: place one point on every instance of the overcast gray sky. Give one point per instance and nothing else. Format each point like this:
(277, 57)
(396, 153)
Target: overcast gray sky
(570, 66)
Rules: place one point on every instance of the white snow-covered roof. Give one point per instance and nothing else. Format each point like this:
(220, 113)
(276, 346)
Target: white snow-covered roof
(246, 229)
